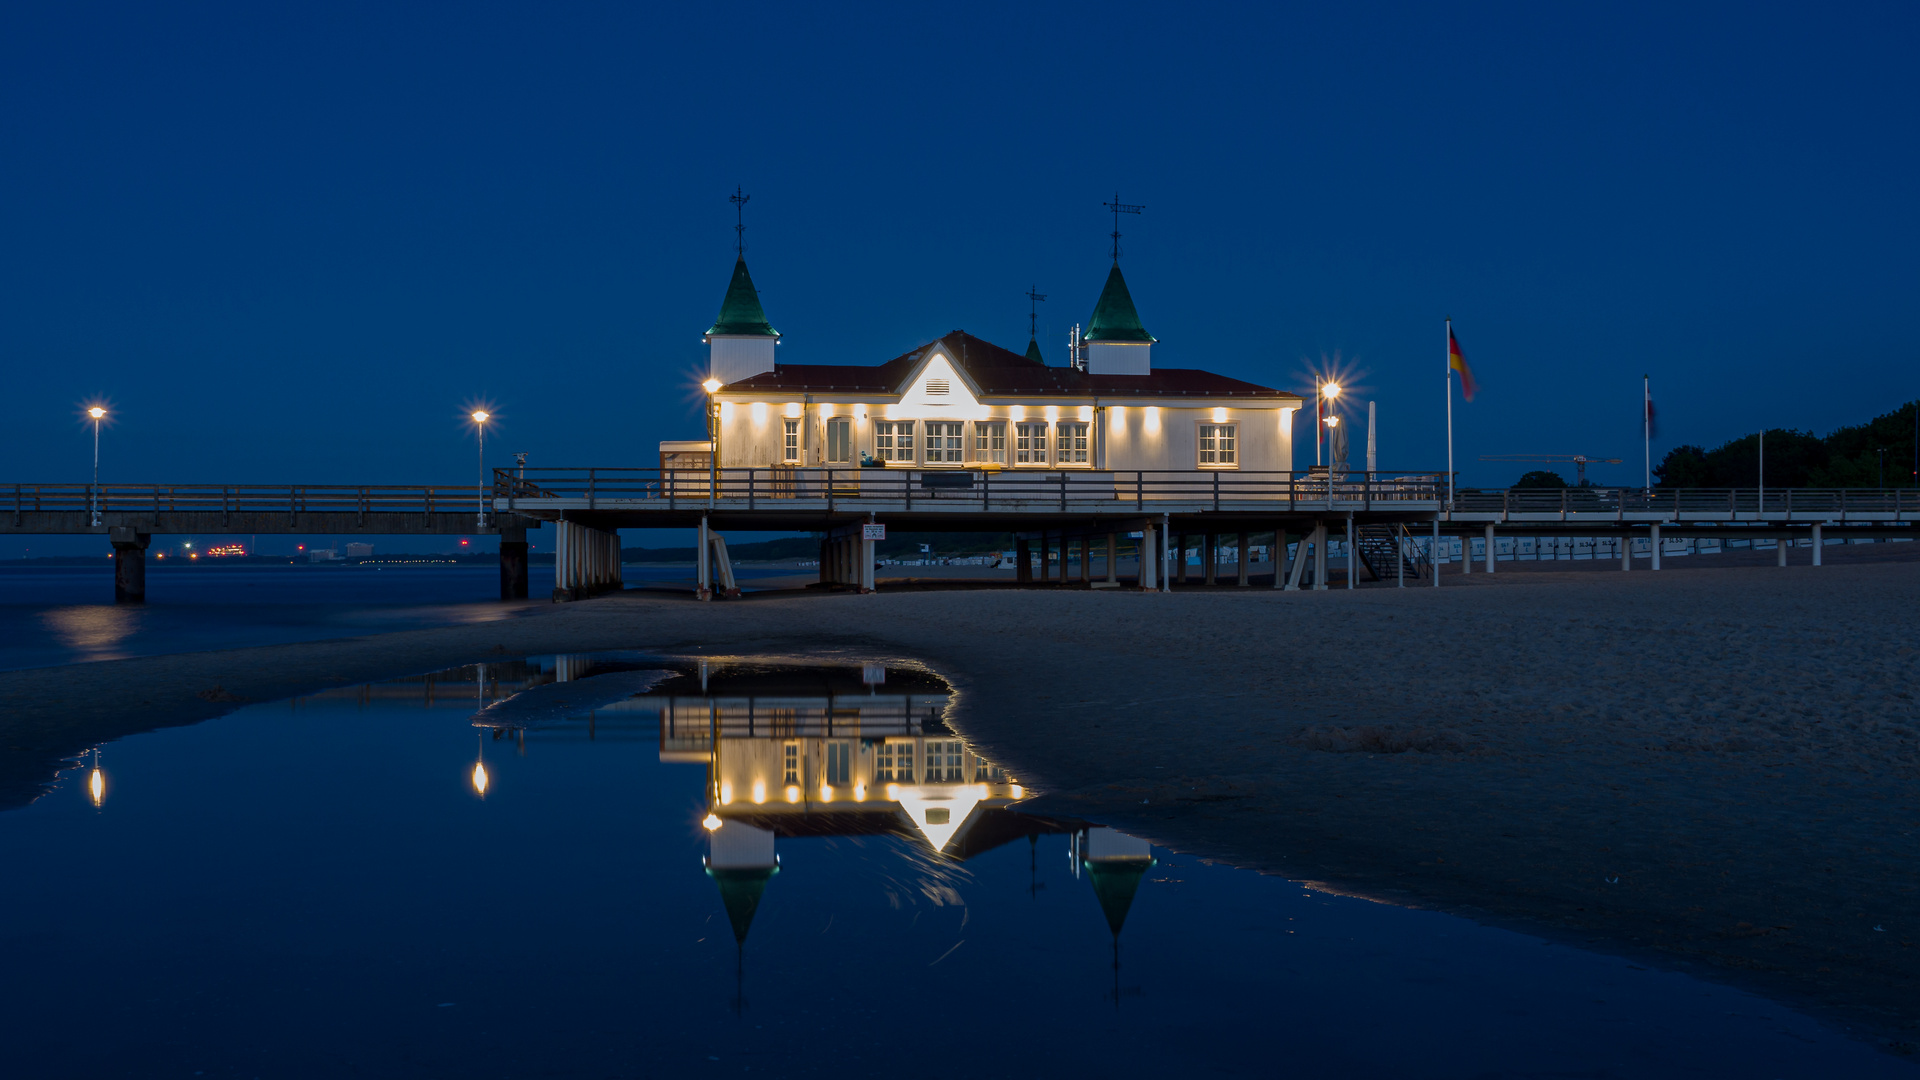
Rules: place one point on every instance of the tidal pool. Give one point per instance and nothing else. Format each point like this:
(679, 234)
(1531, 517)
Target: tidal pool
(621, 865)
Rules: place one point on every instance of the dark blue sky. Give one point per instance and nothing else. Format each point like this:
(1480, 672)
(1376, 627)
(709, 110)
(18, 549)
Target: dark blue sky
(290, 242)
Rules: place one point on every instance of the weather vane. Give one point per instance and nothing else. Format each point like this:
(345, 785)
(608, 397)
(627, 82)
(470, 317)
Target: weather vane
(1033, 310)
(1119, 208)
(739, 202)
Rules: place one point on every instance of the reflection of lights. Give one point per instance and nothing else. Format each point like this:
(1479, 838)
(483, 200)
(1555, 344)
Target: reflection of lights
(480, 778)
(793, 793)
(859, 793)
(1019, 792)
(711, 822)
(893, 792)
(726, 794)
(826, 793)
(97, 786)
(759, 791)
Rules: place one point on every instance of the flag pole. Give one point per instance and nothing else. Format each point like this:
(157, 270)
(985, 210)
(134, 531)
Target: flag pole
(1449, 414)
(1646, 425)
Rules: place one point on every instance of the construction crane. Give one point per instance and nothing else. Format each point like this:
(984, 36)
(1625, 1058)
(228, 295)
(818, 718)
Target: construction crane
(1580, 461)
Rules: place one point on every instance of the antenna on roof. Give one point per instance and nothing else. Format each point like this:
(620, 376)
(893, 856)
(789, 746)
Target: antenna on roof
(739, 202)
(1033, 311)
(1119, 208)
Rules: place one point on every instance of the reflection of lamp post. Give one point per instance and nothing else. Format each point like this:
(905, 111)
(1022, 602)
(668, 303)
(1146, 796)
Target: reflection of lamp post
(480, 768)
(98, 414)
(712, 387)
(480, 417)
(97, 781)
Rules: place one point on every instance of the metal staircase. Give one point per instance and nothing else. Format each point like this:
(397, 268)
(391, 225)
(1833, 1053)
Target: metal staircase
(1377, 545)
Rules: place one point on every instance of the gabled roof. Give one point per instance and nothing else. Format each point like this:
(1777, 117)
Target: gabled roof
(1114, 316)
(998, 372)
(740, 312)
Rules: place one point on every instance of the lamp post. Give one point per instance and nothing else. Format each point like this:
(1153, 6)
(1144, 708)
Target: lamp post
(1323, 395)
(712, 387)
(480, 418)
(98, 414)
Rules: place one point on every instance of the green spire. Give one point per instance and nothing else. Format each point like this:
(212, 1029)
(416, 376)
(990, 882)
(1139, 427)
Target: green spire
(740, 312)
(1114, 882)
(1033, 351)
(1114, 317)
(740, 891)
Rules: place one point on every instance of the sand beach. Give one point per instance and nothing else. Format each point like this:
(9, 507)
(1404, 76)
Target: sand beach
(1716, 770)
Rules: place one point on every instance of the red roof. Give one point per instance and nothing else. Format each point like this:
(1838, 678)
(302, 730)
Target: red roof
(999, 371)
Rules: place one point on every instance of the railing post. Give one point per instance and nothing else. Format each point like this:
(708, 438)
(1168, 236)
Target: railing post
(986, 480)
(750, 492)
(1063, 509)
(906, 480)
(829, 491)
(1139, 491)
(1216, 498)
(591, 482)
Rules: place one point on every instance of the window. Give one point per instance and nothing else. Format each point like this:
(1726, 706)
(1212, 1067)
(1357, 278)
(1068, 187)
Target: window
(1219, 444)
(986, 772)
(839, 441)
(893, 440)
(839, 763)
(943, 761)
(1071, 446)
(792, 441)
(793, 764)
(896, 763)
(945, 442)
(1030, 444)
(990, 442)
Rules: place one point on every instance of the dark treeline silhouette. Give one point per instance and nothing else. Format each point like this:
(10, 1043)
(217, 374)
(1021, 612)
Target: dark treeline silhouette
(1847, 458)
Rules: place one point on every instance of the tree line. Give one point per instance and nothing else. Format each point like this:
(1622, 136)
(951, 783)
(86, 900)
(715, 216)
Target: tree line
(1878, 453)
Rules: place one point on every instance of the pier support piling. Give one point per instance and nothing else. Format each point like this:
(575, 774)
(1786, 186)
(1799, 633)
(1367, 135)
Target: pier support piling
(129, 564)
(1656, 547)
(1780, 545)
(1489, 547)
(1245, 553)
(1817, 542)
(513, 564)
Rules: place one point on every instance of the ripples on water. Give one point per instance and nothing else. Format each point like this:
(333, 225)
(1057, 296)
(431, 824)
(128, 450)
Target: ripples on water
(620, 865)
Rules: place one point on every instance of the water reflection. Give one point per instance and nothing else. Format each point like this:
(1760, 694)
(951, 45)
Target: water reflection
(93, 631)
(800, 753)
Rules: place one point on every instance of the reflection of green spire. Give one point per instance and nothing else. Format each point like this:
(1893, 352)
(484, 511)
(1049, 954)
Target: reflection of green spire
(1114, 316)
(740, 891)
(1114, 882)
(740, 312)
(1033, 351)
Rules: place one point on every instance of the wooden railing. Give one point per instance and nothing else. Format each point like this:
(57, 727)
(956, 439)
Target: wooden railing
(244, 498)
(957, 488)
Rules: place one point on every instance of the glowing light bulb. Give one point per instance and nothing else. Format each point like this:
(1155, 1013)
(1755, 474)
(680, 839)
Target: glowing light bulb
(1330, 391)
(479, 778)
(96, 412)
(826, 793)
(726, 794)
(793, 793)
(859, 793)
(759, 791)
(97, 786)
(711, 385)
(480, 416)
(712, 822)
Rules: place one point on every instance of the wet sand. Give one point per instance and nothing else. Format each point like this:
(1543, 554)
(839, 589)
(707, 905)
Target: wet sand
(1715, 769)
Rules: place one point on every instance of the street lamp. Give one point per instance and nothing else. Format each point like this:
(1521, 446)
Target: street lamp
(480, 418)
(712, 387)
(98, 414)
(1324, 393)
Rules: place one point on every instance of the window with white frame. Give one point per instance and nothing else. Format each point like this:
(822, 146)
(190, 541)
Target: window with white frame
(893, 440)
(839, 440)
(896, 763)
(943, 761)
(790, 440)
(1070, 445)
(946, 441)
(1219, 444)
(791, 774)
(839, 763)
(1030, 444)
(990, 441)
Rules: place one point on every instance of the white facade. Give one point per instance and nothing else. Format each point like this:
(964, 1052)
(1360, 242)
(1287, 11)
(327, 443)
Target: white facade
(732, 358)
(1119, 358)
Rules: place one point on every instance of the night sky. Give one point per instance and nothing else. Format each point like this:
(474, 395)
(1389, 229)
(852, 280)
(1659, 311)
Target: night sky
(293, 243)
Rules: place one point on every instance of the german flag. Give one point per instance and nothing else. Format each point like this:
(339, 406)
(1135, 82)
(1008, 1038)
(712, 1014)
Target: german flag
(1457, 360)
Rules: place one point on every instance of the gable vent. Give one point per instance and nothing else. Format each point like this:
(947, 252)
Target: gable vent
(938, 386)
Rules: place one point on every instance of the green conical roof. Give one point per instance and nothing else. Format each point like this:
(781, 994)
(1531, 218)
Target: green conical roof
(1115, 882)
(740, 891)
(1033, 351)
(740, 312)
(1114, 317)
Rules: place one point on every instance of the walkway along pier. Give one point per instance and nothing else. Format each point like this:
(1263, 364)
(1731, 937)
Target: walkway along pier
(1385, 512)
(1386, 519)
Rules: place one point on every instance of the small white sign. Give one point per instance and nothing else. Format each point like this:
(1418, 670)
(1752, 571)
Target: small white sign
(873, 532)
